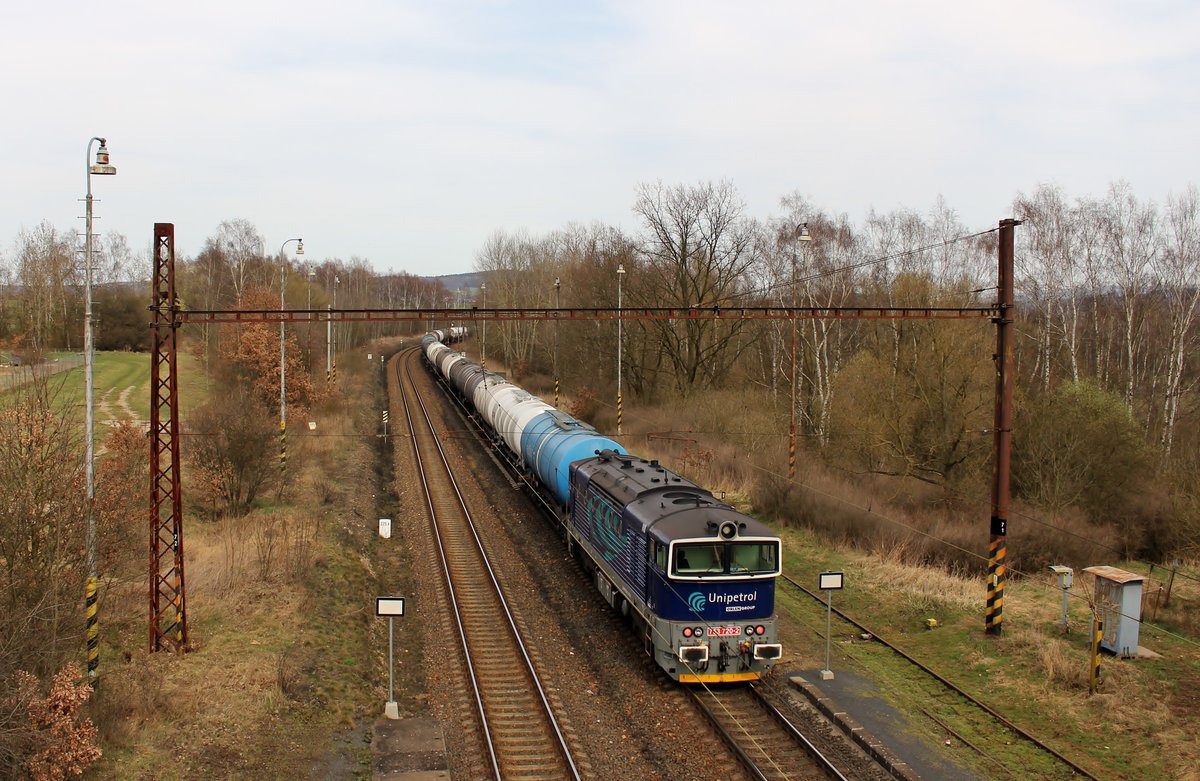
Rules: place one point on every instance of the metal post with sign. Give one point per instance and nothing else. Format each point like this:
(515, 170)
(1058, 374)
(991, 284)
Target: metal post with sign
(828, 582)
(1064, 582)
(390, 607)
(385, 423)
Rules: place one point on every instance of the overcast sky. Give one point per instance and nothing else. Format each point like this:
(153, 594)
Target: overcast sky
(405, 133)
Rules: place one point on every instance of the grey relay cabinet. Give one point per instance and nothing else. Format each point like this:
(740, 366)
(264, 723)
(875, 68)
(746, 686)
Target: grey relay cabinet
(1119, 606)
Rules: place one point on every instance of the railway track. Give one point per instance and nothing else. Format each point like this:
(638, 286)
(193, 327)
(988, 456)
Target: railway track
(951, 688)
(769, 746)
(523, 739)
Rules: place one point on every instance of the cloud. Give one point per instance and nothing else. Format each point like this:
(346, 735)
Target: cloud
(406, 132)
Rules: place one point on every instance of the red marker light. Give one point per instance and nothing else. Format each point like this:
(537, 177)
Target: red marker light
(687, 631)
(760, 629)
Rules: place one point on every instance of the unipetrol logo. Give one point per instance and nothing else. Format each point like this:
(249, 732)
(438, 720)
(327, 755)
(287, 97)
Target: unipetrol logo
(697, 602)
(731, 599)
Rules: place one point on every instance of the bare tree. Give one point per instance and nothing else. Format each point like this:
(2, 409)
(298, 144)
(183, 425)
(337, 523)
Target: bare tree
(47, 274)
(243, 247)
(696, 254)
(1131, 244)
(1043, 266)
(1178, 269)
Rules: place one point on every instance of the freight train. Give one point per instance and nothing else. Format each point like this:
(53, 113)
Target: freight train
(695, 576)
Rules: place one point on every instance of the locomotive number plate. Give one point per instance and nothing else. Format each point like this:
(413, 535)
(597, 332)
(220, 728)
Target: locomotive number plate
(723, 631)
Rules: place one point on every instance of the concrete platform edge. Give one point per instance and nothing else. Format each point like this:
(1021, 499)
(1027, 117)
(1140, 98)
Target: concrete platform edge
(855, 731)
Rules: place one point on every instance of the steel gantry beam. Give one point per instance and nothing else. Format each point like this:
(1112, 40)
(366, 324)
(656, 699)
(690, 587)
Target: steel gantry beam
(168, 616)
(229, 316)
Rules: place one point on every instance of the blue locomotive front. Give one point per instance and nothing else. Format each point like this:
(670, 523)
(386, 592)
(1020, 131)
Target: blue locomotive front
(697, 576)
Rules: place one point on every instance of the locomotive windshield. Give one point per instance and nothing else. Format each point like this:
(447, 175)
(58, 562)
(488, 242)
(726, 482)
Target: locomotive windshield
(726, 558)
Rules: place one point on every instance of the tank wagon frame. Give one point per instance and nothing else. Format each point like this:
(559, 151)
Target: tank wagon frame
(695, 577)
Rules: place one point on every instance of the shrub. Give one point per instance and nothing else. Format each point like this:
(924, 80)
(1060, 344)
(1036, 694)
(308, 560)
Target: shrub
(50, 738)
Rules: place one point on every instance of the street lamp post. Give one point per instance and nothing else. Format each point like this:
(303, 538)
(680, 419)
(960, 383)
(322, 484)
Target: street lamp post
(483, 354)
(101, 168)
(620, 318)
(802, 234)
(283, 358)
(557, 305)
(312, 272)
(330, 373)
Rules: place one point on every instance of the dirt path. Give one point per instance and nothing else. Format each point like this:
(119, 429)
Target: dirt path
(123, 403)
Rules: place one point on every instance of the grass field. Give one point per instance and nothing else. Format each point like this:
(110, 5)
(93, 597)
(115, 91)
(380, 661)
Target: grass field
(122, 386)
(1137, 726)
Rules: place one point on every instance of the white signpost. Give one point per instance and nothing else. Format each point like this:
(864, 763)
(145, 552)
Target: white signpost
(390, 607)
(828, 582)
(385, 528)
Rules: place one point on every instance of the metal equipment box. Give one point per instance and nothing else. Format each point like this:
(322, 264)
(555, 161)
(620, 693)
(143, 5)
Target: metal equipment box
(1119, 606)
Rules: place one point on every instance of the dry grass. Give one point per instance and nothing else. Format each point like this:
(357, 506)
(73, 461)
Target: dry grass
(252, 698)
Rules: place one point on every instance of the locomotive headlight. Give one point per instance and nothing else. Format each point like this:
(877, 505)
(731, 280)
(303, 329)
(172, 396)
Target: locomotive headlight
(698, 631)
(728, 530)
(749, 630)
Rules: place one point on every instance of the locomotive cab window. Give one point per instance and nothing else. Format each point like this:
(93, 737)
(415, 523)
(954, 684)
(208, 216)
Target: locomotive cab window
(753, 557)
(726, 558)
(659, 553)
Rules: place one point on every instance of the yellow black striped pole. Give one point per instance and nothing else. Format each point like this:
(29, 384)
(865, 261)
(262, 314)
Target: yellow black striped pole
(178, 600)
(93, 634)
(619, 411)
(995, 587)
(282, 449)
(555, 392)
(1094, 680)
(335, 372)
(1001, 431)
(792, 452)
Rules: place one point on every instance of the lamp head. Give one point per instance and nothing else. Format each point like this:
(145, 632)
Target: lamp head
(101, 166)
(802, 232)
(300, 246)
(620, 268)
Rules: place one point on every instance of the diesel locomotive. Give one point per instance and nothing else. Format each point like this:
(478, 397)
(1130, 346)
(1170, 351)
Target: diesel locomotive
(695, 576)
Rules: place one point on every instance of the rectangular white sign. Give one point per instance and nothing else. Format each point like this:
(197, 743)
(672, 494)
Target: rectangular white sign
(389, 606)
(385, 528)
(830, 581)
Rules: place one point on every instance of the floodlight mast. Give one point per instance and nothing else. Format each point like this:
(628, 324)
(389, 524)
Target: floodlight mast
(101, 167)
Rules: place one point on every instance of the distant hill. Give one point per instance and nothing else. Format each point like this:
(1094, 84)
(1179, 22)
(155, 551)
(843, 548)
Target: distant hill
(454, 282)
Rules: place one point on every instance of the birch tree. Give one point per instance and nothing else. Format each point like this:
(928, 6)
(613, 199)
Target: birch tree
(1178, 271)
